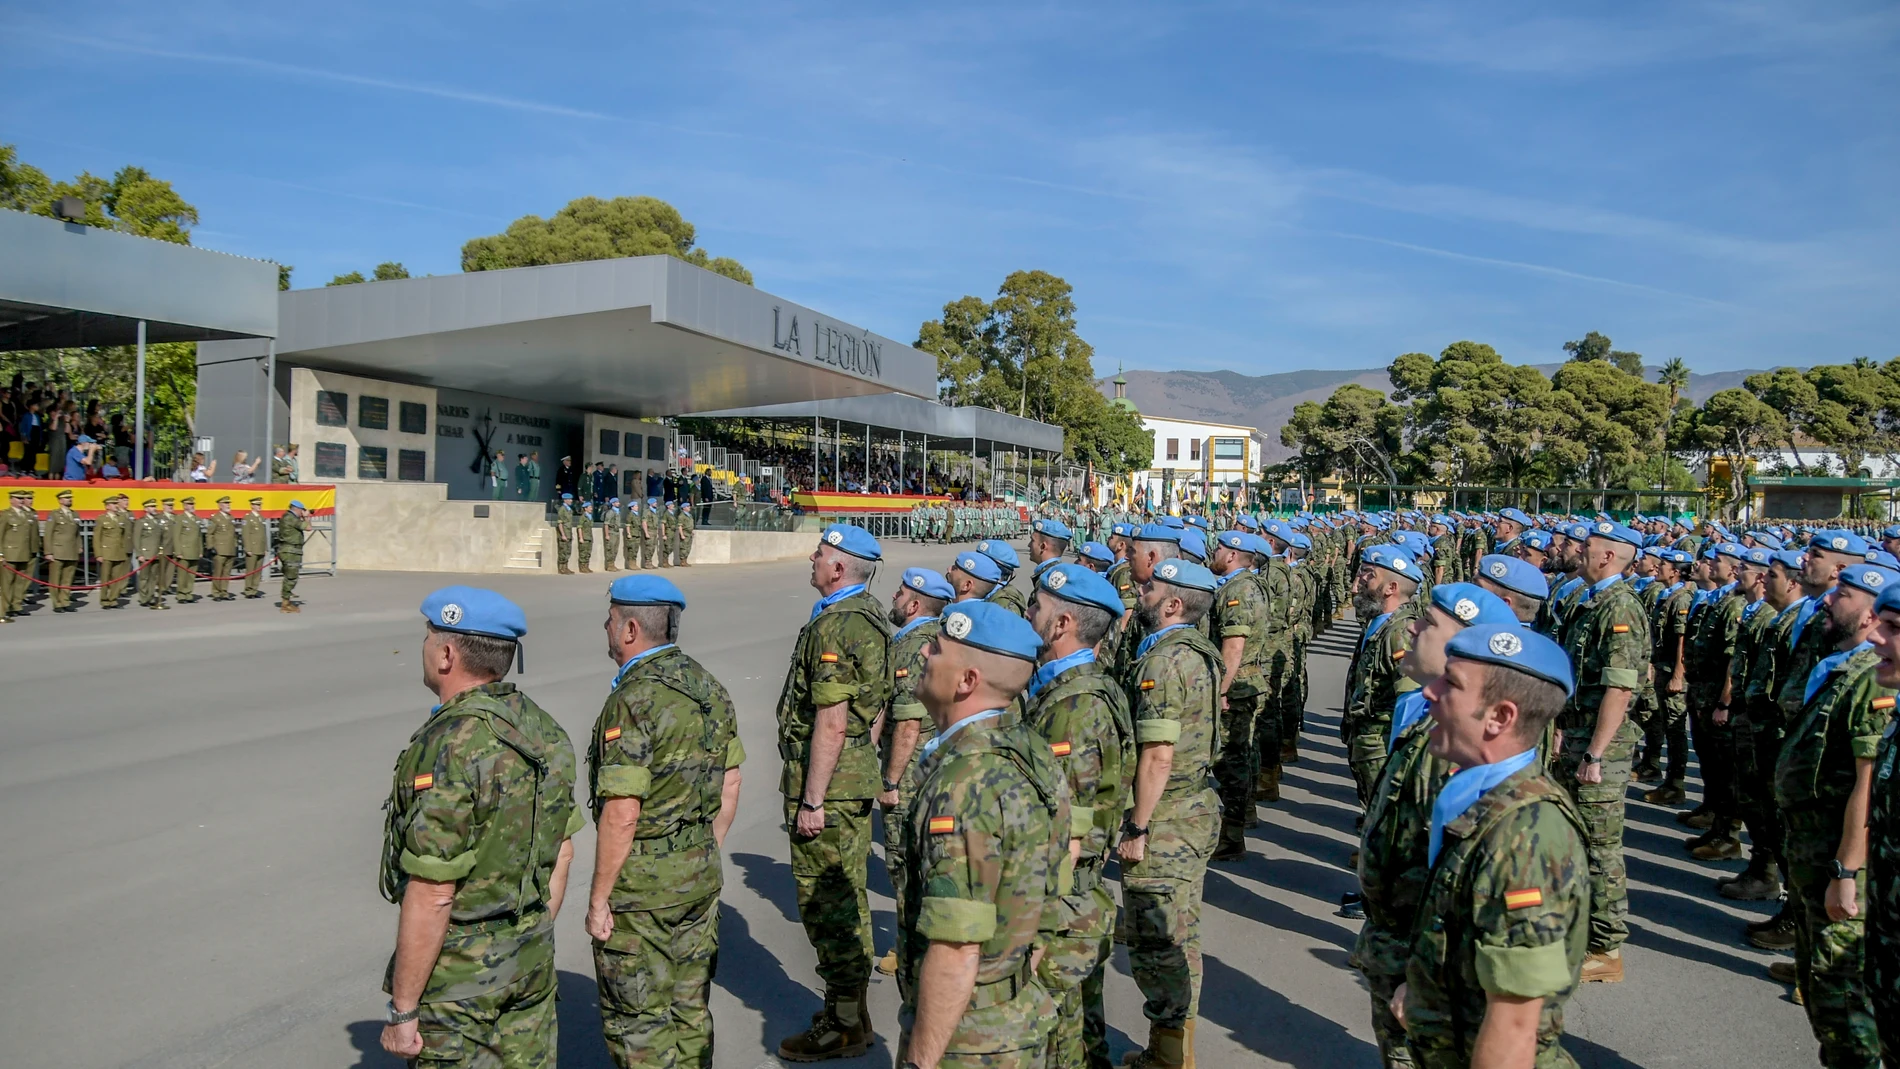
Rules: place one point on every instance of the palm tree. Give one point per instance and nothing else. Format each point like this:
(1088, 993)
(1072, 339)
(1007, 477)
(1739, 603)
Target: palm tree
(1674, 376)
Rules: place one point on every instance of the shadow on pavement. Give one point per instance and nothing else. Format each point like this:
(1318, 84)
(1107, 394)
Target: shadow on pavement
(1265, 1022)
(753, 975)
(770, 879)
(1223, 893)
(367, 1038)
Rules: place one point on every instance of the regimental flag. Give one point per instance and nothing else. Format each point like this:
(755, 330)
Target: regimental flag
(1524, 898)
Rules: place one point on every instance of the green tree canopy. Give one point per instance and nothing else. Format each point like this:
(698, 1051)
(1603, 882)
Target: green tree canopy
(132, 202)
(590, 228)
(384, 272)
(1618, 417)
(1356, 428)
(1472, 417)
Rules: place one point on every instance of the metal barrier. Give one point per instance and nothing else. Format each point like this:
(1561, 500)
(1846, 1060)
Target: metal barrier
(746, 516)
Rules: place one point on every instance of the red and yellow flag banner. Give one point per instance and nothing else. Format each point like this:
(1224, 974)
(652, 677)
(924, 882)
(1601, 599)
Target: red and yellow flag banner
(89, 498)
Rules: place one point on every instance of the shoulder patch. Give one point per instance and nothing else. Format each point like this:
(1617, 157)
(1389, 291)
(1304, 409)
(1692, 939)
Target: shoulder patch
(1147, 684)
(1398, 655)
(1061, 749)
(1231, 602)
(1523, 899)
(423, 782)
(1619, 629)
(828, 658)
(942, 825)
(1882, 703)
(900, 673)
(610, 734)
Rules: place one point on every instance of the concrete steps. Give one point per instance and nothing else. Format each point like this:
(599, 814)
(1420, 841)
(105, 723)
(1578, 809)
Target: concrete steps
(527, 557)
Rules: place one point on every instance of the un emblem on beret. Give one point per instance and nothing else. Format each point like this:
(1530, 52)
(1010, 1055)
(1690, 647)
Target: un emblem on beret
(1499, 569)
(1466, 610)
(982, 547)
(1056, 580)
(1505, 644)
(834, 537)
(1167, 571)
(451, 614)
(1399, 563)
(917, 581)
(1837, 542)
(956, 625)
(1873, 579)
(1603, 528)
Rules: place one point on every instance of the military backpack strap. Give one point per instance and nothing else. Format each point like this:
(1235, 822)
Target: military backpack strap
(698, 688)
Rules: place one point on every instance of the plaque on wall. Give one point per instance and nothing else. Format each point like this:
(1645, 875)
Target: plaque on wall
(332, 460)
(372, 413)
(414, 417)
(372, 462)
(412, 465)
(333, 408)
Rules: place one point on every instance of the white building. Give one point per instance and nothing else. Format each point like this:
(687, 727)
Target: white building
(1195, 460)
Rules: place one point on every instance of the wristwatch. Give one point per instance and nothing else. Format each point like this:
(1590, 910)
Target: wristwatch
(1841, 872)
(808, 807)
(891, 785)
(392, 1015)
(1132, 830)
(1591, 759)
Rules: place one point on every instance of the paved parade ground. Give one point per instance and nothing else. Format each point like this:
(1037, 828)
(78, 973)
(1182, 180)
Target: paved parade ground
(193, 819)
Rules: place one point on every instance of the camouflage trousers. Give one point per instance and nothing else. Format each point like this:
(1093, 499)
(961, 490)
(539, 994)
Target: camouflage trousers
(1715, 751)
(655, 976)
(830, 870)
(1384, 973)
(112, 574)
(894, 820)
(1757, 748)
(1237, 766)
(1161, 894)
(563, 548)
(585, 542)
(1073, 964)
(1601, 806)
(290, 568)
(470, 1018)
(685, 556)
(1667, 728)
(632, 552)
(1829, 954)
(609, 548)
(648, 546)
(1366, 752)
(1293, 703)
(477, 1034)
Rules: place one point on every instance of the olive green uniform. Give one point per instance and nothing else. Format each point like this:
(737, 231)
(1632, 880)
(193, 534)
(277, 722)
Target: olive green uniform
(610, 526)
(584, 537)
(685, 553)
(254, 538)
(63, 550)
(20, 549)
(1374, 683)
(1882, 904)
(1668, 724)
(221, 536)
(484, 797)
(667, 736)
(152, 538)
(563, 536)
(907, 670)
(291, 530)
(112, 544)
(188, 550)
(1240, 611)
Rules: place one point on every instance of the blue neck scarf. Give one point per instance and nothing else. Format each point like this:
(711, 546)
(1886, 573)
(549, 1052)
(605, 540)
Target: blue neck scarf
(1600, 587)
(834, 598)
(1817, 676)
(921, 620)
(1047, 673)
(1149, 642)
(1221, 580)
(1373, 628)
(1642, 583)
(1463, 790)
(1749, 610)
(1808, 607)
(1670, 591)
(1569, 585)
(633, 660)
(1408, 710)
(930, 745)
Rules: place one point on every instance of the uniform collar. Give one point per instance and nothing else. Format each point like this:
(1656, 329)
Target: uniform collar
(921, 620)
(835, 597)
(1149, 642)
(1047, 673)
(933, 744)
(1463, 790)
(636, 659)
(1827, 666)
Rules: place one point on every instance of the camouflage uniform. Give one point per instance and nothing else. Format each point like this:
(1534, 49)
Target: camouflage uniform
(254, 537)
(1609, 648)
(986, 848)
(1751, 719)
(1302, 607)
(841, 656)
(666, 736)
(1175, 701)
(1393, 872)
(685, 553)
(291, 529)
(1083, 715)
(1374, 683)
(1505, 911)
(1882, 905)
(484, 797)
(1710, 651)
(1241, 611)
(907, 670)
(1839, 726)
(610, 528)
(1281, 712)
(1668, 724)
(563, 536)
(1010, 597)
(584, 538)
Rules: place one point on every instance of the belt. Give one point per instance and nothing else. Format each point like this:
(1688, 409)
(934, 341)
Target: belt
(796, 751)
(536, 913)
(998, 992)
(684, 839)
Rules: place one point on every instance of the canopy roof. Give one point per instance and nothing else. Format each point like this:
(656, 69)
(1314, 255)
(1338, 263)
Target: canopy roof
(915, 415)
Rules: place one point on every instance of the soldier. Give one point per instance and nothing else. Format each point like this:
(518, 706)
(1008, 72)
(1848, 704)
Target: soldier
(1048, 540)
(188, 549)
(1824, 785)
(254, 538)
(1383, 595)
(1242, 629)
(1175, 820)
(1082, 713)
(1668, 724)
(1522, 586)
(19, 552)
(1507, 893)
(1277, 727)
(1608, 643)
(63, 550)
(112, 544)
(985, 853)
(564, 534)
(476, 849)
(1393, 868)
(1148, 546)
(973, 575)
(663, 779)
(221, 539)
(1710, 651)
(1883, 844)
(1005, 595)
(610, 526)
(684, 555)
(1756, 722)
(291, 531)
(920, 599)
(151, 537)
(670, 535)
(837, 684)
(584, 537)
(630, 531)
(650, 533)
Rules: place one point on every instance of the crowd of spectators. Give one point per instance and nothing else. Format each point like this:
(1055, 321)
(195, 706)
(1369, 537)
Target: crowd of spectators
(45, 433)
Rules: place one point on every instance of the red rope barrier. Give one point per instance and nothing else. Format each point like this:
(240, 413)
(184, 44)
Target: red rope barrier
(246, 575)
(95, 586)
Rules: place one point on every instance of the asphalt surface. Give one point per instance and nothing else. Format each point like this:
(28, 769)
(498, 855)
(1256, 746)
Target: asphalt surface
(192, 806)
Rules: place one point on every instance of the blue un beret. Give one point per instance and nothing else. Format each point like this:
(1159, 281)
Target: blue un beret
(1155, 532)
(928, 583)
(1125, 530)
(1889, 601)
(1298, 540)
(1883, 558)
(1472, 605)
(1729, 549)
(1846, 542)
(1872, 578)
(1515, 574)
(1053, 529)
(1194, 544)
(998, 550)
(992, 627)
(1195, 520)
(1892, 531)
(1760, 555)
(1678, 557)
(1393, 559)
(299, 505)
(980, 566)
(1185, 574)
(1790, 559)
(1515, 516)
(468, 610)
(1513, 646)
(1537, 540)
(854, 540)
(1614, 531)
(1097, 552)
(1234, 540)
(1073, 582)
(645, 590)
(1247, 520)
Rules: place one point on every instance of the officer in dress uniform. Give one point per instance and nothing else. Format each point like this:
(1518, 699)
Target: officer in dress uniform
(112, 544)
(663, 779)
(221, 538)
(150, 536)
(254, 538)
(64, 547)
(19, 550)
(476, 850)
(188, 549)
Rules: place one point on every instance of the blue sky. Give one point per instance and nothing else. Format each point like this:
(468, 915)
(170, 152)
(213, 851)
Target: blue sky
(1258, 187)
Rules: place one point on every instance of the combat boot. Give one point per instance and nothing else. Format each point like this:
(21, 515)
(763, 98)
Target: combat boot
(1757, 883)
(1233, 844)
(888, 963)
(1786, 911)
(839, 1030)
(1784, 972)
(1166, 1049)
(1605, 968)
(585, 570)
(1700, 817)
(1647, 773)
(1779, 935)
(1670, 793)
(1290, 752)
(1723, 847)
(1268, 787)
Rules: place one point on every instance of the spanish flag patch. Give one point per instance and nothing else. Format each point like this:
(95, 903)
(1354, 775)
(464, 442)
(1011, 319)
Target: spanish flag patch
(1619, 629)
(828, 658)
(1398, 655)
(1882, 703)
(942, 825)
(610, 734)
(1061, 749)
(1147, 684)
(901, 673)
(1233, 602)
(1523, 899)
(423, 782)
